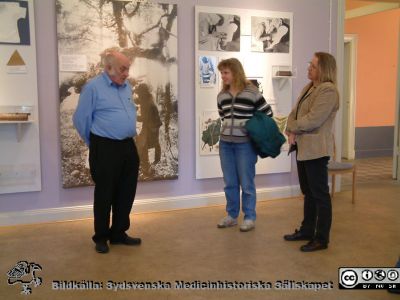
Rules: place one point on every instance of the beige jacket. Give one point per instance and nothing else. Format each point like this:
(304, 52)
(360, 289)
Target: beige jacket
(313, 126)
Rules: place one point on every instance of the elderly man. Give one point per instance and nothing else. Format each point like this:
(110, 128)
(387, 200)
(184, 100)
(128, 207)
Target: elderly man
(106, 120)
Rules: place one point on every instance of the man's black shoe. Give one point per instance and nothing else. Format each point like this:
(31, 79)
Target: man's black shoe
(297, 236)
(102, 247)
(313, 246)
(130, 241)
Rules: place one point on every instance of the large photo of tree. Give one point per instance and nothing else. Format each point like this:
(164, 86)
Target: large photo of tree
(147, 34)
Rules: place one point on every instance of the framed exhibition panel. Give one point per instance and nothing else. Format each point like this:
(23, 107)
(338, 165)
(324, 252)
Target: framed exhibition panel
(262, 41)
(20, 169)
(14, 22)
(146, 32)
(208, 71)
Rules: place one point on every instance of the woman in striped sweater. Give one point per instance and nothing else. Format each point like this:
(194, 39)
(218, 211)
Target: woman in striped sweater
(237, 102)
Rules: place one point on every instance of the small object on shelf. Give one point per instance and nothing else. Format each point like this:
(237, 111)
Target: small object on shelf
(14, 116)
(283, 73)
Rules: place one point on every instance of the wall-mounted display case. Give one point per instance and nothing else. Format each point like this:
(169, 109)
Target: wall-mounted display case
(282, 74)
(20, 169)
(20, 116)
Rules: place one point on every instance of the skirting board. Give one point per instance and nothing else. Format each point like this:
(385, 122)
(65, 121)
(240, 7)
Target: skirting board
(140, 206)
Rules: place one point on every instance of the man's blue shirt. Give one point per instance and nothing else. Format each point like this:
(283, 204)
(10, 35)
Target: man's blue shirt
(105, 109)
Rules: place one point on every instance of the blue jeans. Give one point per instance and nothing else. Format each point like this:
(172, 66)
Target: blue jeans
(238, 163)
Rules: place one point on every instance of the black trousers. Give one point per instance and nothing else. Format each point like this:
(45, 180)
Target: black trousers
(313, 177)
(114, 166)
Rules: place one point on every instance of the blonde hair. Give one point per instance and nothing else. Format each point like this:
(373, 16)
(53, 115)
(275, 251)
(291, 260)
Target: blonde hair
(239, 77)
(326, 67)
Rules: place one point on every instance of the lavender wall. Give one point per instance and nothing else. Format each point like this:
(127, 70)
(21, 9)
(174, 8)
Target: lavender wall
(311, 33)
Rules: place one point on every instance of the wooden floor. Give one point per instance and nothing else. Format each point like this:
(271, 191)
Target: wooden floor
(186, 245)
(371, 169)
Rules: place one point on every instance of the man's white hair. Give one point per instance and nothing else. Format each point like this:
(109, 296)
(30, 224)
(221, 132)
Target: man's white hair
(108, 56)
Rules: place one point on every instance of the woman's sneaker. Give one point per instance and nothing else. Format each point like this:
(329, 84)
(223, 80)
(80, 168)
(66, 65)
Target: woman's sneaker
(228, 221)
(247, 225)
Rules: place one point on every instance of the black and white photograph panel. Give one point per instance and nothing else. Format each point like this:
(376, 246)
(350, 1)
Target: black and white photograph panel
(14, 22)
(147, 34)
(210, 129)
(219, 32)
(208, 71)
(270, 35)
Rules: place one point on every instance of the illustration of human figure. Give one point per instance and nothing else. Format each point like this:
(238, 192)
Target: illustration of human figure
(274, 34)
(10, 14)
(219, 33)
(263, 33)
(207, 71)
(230, 40)
(148, 137)
(208, 37)
(280, 37)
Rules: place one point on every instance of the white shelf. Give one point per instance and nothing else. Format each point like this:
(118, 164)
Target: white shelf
(15, 122)
(19, 126)
(288, 77)
(277, 69)
(282, 78)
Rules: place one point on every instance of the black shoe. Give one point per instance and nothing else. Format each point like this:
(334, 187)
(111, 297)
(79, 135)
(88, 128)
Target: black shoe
(102, 247)
(130, 241)
(313, 246)
(297, 236)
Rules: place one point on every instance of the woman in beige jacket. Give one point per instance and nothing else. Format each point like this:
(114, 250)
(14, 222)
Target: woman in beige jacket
(309, 129)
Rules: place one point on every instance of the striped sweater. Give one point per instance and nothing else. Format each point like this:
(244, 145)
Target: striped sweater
(236, 111)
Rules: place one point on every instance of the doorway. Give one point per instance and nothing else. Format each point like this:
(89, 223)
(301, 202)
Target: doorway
(349, 96)
(396, 146)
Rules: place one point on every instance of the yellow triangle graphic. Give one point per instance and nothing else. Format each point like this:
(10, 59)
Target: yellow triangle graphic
(16, 59)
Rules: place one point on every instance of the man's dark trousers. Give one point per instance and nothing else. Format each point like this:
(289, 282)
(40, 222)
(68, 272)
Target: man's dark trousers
(114, 166)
